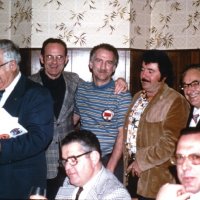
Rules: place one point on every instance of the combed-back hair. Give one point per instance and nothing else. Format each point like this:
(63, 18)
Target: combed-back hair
(164, 63)
(53, 40)
(10, 51)
(107, 47)
(87, 139)
(190, 130)
(187, 68)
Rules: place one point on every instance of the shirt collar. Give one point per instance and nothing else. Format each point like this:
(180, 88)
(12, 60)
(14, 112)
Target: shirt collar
(196, 111)
(9, 89)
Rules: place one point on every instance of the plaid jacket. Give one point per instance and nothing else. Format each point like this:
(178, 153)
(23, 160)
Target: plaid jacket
(106, 187)
(64, 124)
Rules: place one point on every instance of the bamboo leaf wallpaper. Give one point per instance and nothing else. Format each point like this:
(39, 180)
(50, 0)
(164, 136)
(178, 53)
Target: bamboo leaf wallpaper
(140, 24)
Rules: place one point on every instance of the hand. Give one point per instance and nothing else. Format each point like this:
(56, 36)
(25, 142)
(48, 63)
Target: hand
(120, 86)
(134, 169)
(172, 192)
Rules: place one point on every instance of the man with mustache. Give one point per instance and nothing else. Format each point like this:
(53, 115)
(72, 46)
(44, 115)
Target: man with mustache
(100, 110)
(152, 127)
(62, 86)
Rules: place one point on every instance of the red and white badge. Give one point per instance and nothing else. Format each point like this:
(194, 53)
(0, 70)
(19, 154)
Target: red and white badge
(107, 115)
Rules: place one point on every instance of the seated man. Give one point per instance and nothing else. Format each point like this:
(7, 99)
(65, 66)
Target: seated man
(188, 169)
(81, 157)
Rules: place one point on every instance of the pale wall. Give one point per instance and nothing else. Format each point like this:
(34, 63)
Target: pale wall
(138, 24)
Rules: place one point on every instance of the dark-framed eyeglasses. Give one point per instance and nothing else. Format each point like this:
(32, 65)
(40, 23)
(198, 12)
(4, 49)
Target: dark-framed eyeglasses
(5, 63)
(72, 160)
(193, 158)
(193, 84)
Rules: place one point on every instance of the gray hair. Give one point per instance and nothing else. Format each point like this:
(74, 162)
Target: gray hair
(10, 51)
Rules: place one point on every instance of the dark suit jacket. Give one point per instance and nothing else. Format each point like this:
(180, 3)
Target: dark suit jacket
(190, 117)
(22, 159)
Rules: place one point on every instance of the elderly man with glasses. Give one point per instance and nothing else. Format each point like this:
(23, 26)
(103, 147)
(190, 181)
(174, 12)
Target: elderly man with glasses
(28, 107)
(187, 159)
(87, 178)
(191, 88)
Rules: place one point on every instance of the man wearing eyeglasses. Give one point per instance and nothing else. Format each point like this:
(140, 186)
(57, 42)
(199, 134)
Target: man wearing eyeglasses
(191, 88)
(187, 161)
(25, 103)
(62, 86)
(81, 158)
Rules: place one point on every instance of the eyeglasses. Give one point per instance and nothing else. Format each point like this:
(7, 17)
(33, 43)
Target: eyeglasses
(5, 63)
(193, 84)
(72, 160)
(193, 158)
(58, 58)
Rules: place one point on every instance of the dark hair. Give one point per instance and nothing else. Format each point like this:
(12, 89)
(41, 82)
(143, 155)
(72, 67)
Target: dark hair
(190, 130)
(187, 68)
(86, 138)
(106, 47)
(53, 40)
(164, 63)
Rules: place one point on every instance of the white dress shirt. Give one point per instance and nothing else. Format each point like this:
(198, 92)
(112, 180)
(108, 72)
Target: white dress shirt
(9, 89)
(195, 112)
(195, 196)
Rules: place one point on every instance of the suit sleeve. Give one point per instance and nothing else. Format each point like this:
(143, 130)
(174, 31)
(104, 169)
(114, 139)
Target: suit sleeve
(36, 115)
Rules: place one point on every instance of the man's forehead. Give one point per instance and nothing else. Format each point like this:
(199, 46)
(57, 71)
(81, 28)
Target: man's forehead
(191, 75)
(73, 147)
(189, 143)
(150, 65)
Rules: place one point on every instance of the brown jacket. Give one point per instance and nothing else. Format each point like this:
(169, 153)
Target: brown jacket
(158, 131)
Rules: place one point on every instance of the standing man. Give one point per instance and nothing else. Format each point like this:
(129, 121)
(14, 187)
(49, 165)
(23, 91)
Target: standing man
(191, 89)
(187, 160)
(81, 158)
(62, 86)
(153, 123)
(22, 158)
(99, 109)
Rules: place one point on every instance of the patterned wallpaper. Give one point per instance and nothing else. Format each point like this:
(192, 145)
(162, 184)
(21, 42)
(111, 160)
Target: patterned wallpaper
(139, 24)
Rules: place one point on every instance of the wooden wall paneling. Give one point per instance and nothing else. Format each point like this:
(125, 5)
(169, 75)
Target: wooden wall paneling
(195, 56)
(129, 60)
(35, 61)
(135, 60)
(181, 59)
(176, 61)
(25, 64)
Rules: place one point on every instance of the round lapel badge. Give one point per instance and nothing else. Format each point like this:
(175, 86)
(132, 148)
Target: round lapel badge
(107, 115)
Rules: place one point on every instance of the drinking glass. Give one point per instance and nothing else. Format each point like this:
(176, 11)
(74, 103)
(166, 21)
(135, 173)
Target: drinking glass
(37, 193)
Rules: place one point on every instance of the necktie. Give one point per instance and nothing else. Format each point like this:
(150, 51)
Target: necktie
(1, 93)
(195, 118)
(78, 193)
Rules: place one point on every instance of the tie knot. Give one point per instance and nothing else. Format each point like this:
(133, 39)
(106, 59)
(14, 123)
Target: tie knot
(195, 117)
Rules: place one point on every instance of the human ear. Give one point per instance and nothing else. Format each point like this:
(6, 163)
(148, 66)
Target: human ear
(41, 59)
(95, 157)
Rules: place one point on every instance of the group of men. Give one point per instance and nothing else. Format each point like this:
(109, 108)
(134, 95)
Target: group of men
(187, 156)
(55, 110)
(147, 135)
